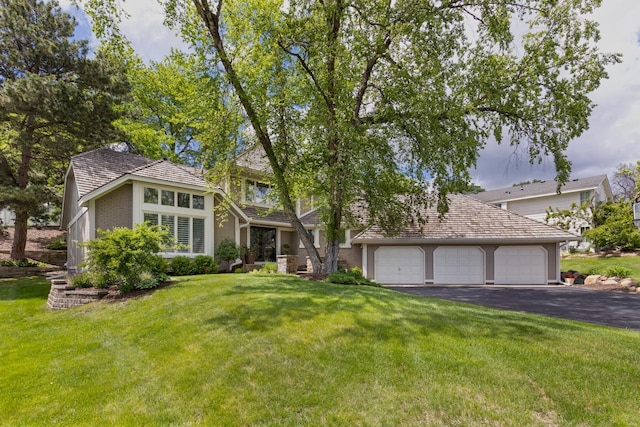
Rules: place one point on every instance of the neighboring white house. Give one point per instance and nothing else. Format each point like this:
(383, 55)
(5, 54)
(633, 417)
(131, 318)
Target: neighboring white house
(533, 200)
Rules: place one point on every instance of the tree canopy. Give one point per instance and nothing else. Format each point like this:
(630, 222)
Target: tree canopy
(178, 110)
(54, 101)
(350, 98)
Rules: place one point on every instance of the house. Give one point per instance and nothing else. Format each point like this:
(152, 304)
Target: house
(533, 200)
(475, 243)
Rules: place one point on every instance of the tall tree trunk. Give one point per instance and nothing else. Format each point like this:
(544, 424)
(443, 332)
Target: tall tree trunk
(22, 180)
(19, 235)
(211, 20)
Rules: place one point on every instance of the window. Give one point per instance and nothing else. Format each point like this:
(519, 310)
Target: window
(184, 200)
(183, 234)
(150, 195)
(313, 236)
(257, 192)
(169, 222)
(585, 197)
(198, 202)
(168, 198)
(151, 218)
(198, 235)
(583, 229)
(344, 239)
(187, 231)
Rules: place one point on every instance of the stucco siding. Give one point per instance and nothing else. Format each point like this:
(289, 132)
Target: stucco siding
(225, 227)
(115, 209)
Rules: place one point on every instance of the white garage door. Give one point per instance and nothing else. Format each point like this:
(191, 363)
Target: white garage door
(399, 265)
(520, 265)
(458, 265)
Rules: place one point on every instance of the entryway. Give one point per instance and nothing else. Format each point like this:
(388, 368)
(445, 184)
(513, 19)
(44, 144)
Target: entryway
(263, 243)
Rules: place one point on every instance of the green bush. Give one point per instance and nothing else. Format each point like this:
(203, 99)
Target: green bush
(20, 264)
(239, 270)
(58, 244)
(227, 251)
(350, 277)
(269, 267)
(617, 271)
(204, 264)
(82, 280)
(147, 280)
(120, 256)
(182, 266)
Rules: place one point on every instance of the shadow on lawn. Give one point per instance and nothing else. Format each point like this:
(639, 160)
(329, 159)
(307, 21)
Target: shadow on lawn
(24, 288)
(375, 313)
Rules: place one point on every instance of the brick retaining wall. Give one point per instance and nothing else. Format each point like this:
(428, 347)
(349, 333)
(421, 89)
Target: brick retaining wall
(62, 295)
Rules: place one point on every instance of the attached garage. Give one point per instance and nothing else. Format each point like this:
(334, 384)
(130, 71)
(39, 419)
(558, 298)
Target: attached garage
(458, 265)
(520, 265)
(399, 265)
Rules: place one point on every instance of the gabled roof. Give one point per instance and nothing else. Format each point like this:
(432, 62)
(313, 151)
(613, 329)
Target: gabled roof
(537, 189)
(97, 168)
(254, 158)
(470, 220)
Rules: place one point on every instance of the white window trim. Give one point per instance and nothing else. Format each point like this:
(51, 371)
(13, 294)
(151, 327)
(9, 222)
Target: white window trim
(175, 229)
(347, 239)
(140, 208)
(316, 238)
(245, 188)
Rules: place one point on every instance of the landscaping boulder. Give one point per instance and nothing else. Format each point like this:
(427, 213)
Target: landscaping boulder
(592, 280)
(609, 282)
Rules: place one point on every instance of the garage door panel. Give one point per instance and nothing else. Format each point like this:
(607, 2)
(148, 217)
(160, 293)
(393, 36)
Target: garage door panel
(458, 265)
(395, 265)
(520, 265)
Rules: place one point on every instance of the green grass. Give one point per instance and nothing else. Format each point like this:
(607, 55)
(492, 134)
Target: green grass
(276, 350)
(585, 264)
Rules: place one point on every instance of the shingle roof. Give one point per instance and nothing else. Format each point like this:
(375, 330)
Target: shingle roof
(471, 219)
(99, 167)
(538, 189)
(254, 158)
(261, 214)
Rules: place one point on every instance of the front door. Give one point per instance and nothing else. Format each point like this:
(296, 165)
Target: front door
(263, 243)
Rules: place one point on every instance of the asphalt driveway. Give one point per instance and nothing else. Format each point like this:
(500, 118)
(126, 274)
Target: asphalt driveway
(618, 310)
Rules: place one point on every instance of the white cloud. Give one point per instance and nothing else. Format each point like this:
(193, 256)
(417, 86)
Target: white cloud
(144, 28)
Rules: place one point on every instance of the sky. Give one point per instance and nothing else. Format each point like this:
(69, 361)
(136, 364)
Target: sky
(614, 134)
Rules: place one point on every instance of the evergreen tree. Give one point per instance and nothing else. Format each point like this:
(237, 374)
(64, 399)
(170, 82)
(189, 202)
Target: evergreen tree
(55, 101)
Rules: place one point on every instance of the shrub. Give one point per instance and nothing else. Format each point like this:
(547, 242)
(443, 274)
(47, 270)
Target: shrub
(617, 271)
(120, 256)
(350, 277)
(269, 267)
(20, 264)
(204, 264)
(182, 266)
(239, 270)
(227, 251)
(58, 244)
(147, 280)
(82, 280)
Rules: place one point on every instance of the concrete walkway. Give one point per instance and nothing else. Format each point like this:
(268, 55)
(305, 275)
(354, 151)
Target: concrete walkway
(614, 309)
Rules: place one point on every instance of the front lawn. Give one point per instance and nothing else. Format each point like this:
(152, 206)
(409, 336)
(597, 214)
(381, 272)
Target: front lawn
(583, 264)
(277, 350)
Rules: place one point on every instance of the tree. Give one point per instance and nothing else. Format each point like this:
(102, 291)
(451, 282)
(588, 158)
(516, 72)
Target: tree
(613, 227)
(349, 99)
(54, 101)
(178, 111)
(626, 182)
